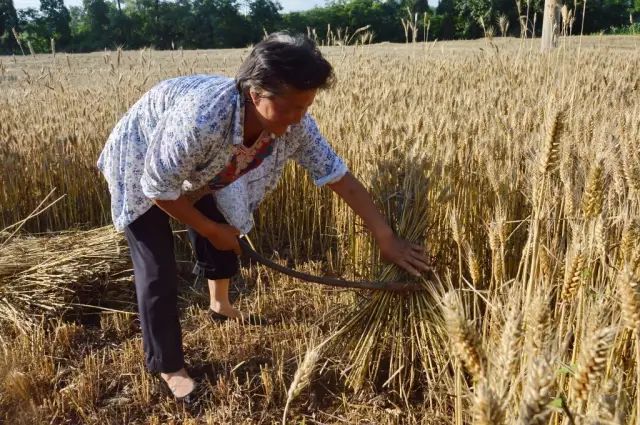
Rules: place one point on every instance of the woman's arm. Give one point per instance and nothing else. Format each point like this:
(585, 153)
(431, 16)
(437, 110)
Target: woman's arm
(409, 256)
(222, 236)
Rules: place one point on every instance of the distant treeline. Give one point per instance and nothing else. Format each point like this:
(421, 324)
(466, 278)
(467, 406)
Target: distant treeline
(200, 24)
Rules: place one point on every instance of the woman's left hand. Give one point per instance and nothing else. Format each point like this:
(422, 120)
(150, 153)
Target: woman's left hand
(410, 257)
(405, 254)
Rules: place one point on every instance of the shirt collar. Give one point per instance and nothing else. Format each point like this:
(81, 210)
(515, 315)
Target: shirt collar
(238, 124)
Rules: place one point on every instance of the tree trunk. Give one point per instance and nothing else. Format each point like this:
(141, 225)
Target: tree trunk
(548, 25)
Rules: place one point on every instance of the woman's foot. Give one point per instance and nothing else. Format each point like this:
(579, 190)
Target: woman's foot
(221, 310)
(247, 319)
(225, 309)
(180, 383)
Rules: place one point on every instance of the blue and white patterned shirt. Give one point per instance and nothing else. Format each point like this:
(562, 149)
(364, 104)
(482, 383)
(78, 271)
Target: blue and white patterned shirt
(182, 133)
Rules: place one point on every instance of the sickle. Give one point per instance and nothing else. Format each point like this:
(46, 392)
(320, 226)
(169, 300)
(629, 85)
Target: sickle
(330, 281)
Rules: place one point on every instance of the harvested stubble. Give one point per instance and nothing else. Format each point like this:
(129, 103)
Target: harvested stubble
(46, 275)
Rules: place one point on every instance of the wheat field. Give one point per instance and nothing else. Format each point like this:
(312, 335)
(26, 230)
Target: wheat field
(519, 172)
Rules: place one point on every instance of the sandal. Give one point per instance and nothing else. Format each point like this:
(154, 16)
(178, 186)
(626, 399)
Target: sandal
(251, 319)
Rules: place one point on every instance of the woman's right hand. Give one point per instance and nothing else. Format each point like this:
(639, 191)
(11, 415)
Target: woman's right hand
(224, 237)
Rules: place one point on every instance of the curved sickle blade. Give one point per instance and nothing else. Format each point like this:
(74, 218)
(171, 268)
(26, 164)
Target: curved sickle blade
(331, 281)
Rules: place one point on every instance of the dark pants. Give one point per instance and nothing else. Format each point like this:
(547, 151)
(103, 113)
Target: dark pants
(154, 267)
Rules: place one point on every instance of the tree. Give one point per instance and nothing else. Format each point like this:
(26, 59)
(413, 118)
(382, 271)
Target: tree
(98, 22)
(142, 18)
(97, 13)
(166, 24)
(601, 15)
(219, 24)
(472, 15)
(383, 17)
(417, 6)
(444, 25)
(56, 18)
(8, 20)
(264, 16)
(174, 24)
(33, 29)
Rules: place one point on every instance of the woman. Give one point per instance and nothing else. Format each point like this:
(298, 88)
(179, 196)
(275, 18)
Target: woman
(226, 142)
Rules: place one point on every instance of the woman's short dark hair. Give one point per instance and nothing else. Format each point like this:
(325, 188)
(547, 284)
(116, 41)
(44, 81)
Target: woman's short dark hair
(283, 60)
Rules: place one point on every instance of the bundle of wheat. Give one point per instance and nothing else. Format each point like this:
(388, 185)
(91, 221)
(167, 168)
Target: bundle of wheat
(391, 338)
(48, 275)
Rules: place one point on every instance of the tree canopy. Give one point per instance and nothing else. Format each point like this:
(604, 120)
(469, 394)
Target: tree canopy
(167, 24)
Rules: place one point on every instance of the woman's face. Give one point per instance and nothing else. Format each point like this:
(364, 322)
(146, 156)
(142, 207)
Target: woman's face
(276, 112)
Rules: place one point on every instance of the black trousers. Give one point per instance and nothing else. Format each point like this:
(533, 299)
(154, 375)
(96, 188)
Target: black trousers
(154, 266)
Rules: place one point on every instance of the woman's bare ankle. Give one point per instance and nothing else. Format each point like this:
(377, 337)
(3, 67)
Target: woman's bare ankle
(226, 310)
(182, 372)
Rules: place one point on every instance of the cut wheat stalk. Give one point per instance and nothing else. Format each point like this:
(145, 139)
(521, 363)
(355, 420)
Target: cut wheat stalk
(45, 276)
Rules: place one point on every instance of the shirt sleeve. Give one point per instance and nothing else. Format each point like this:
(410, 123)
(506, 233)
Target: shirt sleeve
(186, 134)
(316, 155)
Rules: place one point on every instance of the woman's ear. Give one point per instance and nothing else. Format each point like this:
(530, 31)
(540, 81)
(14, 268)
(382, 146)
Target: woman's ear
(255, 97)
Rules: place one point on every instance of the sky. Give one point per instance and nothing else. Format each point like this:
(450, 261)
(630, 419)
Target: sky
(287, 5)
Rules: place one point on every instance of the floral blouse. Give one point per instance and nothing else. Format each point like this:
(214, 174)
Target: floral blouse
(184, 132)
(243, 160)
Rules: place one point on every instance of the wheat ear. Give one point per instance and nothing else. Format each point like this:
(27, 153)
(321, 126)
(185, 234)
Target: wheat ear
(487, 408)
(464, 338)
(592, 361)
(537, 394)
(302, 378)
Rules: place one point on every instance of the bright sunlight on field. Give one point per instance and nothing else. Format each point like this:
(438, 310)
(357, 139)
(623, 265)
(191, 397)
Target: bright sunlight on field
(520, 173)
